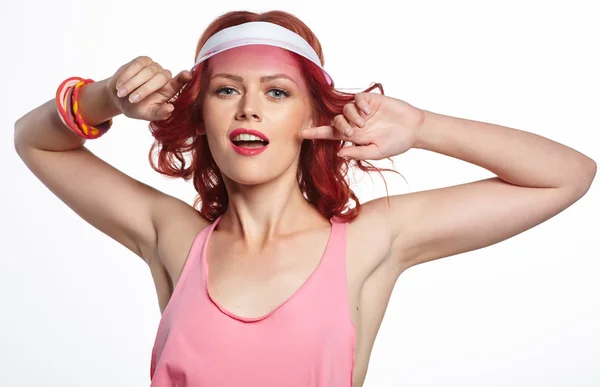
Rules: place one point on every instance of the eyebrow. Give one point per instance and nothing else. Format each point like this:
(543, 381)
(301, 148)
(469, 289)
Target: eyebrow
(264, 79)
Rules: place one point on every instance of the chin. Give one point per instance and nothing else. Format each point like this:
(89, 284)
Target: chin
(246, 173)
(258, 169)
(248, 176)
(249, 179)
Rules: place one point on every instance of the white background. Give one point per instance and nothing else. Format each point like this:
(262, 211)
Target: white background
(80, 310)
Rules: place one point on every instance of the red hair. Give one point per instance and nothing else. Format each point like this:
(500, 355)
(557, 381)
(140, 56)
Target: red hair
(321, 172)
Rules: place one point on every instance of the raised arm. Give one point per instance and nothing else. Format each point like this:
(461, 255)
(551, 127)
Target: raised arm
(537, 178)
(108, 199)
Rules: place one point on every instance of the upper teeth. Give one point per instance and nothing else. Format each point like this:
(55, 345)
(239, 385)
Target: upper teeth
(247, 137)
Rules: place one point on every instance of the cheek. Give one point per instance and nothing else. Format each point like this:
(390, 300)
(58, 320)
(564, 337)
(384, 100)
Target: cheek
(293, 119)
(213, 115)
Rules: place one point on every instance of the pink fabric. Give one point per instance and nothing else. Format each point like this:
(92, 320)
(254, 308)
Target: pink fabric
(308, 341)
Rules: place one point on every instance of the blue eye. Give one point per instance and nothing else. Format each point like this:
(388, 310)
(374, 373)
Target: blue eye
(281, 93)
(218, 91)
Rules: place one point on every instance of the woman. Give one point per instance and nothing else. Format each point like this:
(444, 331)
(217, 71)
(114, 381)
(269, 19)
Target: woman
(299, 282)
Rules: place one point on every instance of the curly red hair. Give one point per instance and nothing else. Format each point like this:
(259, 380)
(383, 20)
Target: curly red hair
(321, 173)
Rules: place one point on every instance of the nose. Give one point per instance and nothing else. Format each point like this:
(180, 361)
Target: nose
(248, 109)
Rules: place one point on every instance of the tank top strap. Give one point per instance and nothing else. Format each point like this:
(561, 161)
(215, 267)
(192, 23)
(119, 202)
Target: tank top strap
(335, 255)
(202, 251)
(194, 259)
(339, 235)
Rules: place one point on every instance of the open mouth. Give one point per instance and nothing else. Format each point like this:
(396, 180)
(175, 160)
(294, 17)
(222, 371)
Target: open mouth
(250, 144)
(249, 141)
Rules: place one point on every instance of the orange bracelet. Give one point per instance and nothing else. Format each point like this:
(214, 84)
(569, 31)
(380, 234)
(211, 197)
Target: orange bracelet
(67, 101)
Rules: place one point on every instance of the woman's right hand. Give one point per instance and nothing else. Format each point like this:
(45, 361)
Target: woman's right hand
(154, 85)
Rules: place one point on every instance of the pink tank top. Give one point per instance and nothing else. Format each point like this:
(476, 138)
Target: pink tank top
(308, 341)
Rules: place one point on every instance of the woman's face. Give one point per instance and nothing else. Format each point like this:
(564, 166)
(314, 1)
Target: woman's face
(259, 88)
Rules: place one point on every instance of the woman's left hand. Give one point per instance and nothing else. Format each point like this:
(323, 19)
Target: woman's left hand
(391, 128)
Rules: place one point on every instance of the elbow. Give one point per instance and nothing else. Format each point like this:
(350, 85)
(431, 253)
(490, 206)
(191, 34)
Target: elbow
(585, 177)
(591, 169)
(19, 142)
(16, 137)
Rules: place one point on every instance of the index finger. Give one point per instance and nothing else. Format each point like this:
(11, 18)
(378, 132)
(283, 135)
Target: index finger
(322, 133)
(130, 69)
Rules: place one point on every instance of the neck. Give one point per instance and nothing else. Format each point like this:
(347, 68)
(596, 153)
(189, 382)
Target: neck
(258, 214)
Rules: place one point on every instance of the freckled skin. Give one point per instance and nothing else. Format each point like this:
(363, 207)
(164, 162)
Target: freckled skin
(264, 107)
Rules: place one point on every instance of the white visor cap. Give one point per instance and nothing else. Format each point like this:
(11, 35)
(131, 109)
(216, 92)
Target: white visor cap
(263, 33)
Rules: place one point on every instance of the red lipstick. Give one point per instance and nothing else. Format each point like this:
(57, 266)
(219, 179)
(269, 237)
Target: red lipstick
(248, 131)
(244, 151)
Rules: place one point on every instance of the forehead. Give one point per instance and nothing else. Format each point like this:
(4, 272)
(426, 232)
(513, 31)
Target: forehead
(261, 59)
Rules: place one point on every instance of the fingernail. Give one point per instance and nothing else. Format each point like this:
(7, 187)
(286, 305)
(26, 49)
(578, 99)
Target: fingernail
(348, 132)
(122, 92)
(119, 85)
(367, 110)
(359, 122)
(134, 97)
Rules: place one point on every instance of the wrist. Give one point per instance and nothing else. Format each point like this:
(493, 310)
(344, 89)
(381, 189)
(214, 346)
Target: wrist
(95, 103)
(421, 141)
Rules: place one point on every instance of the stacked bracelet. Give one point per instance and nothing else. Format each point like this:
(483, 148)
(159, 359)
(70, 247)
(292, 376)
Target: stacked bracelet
(67, 104)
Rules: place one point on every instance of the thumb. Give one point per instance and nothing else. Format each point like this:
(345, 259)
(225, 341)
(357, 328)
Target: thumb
(176, 84)
(169, 90)
(361, 152)
(164, 111)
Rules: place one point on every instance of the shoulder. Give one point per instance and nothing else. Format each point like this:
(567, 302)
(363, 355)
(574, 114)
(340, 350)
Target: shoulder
(176, 224)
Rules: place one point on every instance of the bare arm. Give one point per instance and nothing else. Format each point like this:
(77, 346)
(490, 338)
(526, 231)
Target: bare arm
(42, 128)
(537, 178)
(103, 196)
